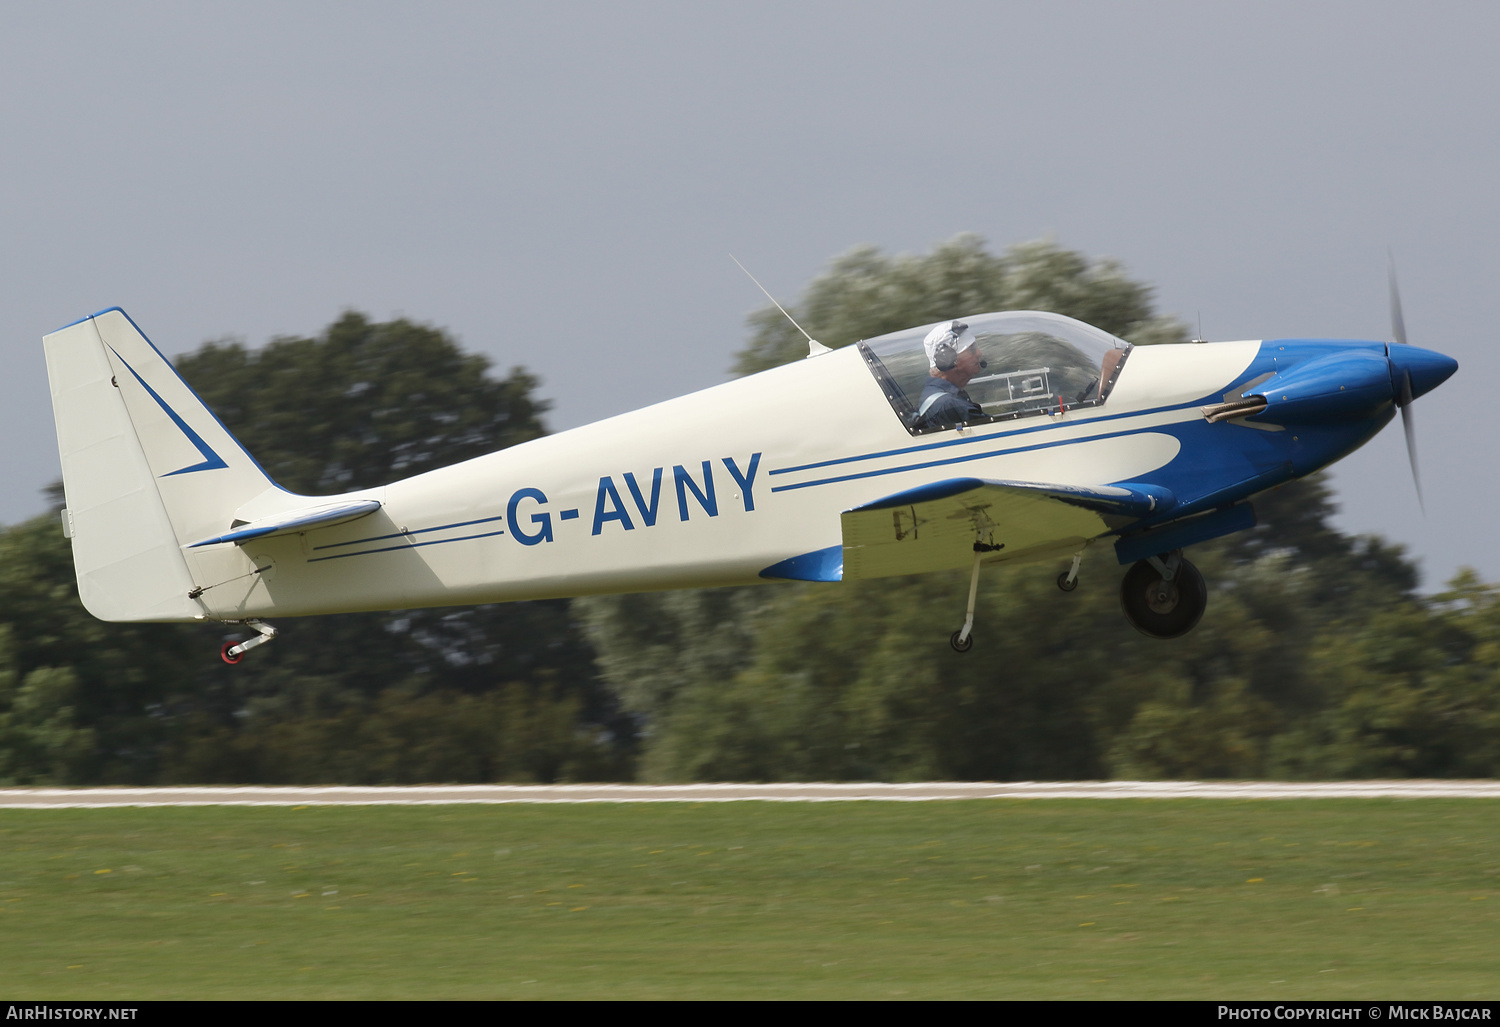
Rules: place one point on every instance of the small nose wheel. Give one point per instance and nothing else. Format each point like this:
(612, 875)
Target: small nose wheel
(961, 642)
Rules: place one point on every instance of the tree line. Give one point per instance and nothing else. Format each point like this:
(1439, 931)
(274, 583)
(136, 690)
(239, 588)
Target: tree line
(1317, 657)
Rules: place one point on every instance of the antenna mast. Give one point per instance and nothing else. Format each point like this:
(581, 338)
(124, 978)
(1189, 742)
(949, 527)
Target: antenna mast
(814, 347)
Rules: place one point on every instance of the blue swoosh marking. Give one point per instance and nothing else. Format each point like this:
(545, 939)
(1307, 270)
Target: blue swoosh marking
(211, 460)
(819, 565)
(193, 392)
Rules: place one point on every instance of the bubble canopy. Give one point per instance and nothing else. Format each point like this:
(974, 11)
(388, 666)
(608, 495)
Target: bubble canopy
(1034, 363)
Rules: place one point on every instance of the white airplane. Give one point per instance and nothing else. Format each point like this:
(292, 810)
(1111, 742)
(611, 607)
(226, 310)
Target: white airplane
(897, 455)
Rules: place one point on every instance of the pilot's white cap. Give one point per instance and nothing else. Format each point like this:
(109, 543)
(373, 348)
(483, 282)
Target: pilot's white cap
(957, 334)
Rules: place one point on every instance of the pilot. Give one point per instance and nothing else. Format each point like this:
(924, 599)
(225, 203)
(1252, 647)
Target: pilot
(952, 360)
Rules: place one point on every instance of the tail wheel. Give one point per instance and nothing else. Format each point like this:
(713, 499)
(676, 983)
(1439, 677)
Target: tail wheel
(225, 655)
(1163, 609)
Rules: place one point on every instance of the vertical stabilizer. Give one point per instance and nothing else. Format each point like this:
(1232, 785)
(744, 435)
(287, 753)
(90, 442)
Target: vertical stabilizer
(146, 469)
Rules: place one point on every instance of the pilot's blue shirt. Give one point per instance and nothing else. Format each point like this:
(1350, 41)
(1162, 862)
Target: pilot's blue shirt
(943, 403)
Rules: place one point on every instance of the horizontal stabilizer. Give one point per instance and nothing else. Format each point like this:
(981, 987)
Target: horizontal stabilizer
(945, 523)
(301, 519)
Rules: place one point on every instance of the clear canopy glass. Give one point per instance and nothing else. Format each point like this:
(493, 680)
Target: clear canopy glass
(1034, 363)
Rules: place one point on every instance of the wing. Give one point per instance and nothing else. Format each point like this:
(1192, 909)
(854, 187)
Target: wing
(301, 519)
(945, 523)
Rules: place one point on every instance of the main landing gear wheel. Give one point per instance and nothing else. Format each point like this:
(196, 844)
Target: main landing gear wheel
(1160, 608)
(227, 657)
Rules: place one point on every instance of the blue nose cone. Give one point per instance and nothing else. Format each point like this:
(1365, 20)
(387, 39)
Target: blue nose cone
(1428, 369)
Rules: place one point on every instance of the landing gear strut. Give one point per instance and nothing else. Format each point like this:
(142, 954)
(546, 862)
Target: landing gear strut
(234, 652)
(1163, 596)
(962, 641)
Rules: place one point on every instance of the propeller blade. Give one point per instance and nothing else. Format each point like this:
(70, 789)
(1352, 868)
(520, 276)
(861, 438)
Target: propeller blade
(1398, 323)
(1409, 426)
(1403, 401)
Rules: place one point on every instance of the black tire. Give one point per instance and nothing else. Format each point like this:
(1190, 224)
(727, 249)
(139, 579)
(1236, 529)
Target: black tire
(961, 646)
(1064, 584)
(1169, 615)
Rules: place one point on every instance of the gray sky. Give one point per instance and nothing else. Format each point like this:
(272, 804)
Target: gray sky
(559, 184)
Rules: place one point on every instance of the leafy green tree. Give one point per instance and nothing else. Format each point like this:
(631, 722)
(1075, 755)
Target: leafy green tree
(113, 680)
(364, 404)
(513, 732)
(1413, 690)
(40, 738)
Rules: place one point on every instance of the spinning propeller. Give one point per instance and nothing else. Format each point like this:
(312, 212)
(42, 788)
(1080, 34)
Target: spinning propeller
(1402, 385)
(1414, 372)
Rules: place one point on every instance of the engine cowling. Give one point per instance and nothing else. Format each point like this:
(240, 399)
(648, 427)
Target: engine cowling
(1346, 386)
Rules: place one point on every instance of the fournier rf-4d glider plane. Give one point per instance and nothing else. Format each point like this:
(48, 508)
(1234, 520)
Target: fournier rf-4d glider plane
(1003, 437)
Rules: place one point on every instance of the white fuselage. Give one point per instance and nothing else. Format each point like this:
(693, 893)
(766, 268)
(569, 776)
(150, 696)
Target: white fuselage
(752, 472)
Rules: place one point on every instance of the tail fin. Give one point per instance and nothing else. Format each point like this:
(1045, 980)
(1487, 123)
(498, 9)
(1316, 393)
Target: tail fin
(147, 469)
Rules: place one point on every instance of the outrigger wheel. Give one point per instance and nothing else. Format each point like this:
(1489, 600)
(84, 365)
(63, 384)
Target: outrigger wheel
(1163, 597)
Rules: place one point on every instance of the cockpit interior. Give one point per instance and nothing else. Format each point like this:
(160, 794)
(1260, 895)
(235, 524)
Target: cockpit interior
(1035, 363)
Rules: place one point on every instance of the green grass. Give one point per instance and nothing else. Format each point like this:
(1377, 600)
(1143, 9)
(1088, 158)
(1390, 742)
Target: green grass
(985, 899)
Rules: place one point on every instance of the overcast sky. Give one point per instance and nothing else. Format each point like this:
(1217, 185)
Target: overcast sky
(559, 184)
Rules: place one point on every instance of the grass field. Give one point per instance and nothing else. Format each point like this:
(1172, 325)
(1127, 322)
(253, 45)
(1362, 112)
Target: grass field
(1285, 899)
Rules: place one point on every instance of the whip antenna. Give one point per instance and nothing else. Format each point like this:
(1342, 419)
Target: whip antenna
(814, 347)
